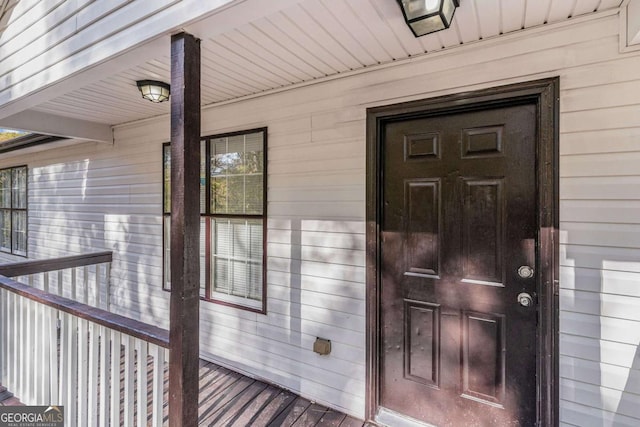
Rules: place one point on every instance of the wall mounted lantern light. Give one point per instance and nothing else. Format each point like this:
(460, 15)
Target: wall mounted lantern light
(428, 16)
(153, 90)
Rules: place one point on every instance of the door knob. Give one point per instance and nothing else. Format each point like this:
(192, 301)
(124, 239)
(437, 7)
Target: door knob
(525, 300)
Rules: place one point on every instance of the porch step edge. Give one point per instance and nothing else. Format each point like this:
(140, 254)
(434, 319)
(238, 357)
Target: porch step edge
(4, 393)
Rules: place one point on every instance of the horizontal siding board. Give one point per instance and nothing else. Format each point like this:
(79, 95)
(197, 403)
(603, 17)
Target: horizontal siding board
(350, 326)
(584, 415)
(600, 141)
(595, 350)
(318, 226)
(318, 254)
(615, 401)
(323, 239)
(606, 164)
(602, 74)
(316, 284)
(600, 281)
(317, 299)
(612, 95)
(600, 374)
(600, 257)
(62, 47)
(617, 117)
(603, 188)
(23, 16)
(601, 211)
(596, 327)
(318, 269)
(606, 305)
(594, 234)
(339, 351)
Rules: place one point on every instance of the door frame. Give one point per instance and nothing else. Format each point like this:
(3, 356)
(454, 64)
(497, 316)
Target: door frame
(545, 95)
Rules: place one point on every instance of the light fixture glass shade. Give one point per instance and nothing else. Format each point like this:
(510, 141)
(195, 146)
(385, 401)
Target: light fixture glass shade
(428, 16)
(153, 90)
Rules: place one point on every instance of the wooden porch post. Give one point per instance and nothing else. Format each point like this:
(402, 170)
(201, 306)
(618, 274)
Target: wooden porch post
(185, 230)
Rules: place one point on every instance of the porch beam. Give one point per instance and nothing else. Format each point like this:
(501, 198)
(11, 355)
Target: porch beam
(52, 124)
(185, 231)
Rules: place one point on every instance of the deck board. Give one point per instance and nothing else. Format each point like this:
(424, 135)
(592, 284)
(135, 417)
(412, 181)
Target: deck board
(291, 413)
(331, 418)
(229, 399)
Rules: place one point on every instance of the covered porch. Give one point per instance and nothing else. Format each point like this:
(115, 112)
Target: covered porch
(305, 75)
(57, 348)
(231, 399)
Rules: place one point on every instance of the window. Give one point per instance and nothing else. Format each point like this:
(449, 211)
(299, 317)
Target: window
(13, 210)
(232, 218)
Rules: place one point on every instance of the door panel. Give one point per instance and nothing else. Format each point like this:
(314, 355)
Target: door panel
(458, 220)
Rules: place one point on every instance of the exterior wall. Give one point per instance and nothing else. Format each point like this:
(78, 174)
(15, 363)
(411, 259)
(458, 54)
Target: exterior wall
(46, 41)
(99, 196)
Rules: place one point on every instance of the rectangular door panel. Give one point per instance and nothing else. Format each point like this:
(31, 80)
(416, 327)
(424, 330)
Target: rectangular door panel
(422, 202)
(422, 342)
(483, 351)
(483, 231)
(482, 142)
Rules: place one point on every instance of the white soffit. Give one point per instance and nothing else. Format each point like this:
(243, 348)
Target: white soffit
(310, 41)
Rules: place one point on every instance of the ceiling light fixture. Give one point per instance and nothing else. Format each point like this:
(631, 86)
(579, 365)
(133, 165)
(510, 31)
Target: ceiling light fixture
(154, 90)
(428, 16)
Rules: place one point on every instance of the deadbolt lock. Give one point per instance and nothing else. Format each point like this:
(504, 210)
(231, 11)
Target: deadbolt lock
(525, 300)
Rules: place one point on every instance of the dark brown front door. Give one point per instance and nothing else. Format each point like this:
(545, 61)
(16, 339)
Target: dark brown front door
(457, 248)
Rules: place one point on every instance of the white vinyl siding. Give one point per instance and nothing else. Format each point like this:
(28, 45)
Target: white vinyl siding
(94, 197)
(45, 41)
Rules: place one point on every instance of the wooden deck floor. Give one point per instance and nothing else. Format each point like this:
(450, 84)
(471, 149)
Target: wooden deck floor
(231, 399)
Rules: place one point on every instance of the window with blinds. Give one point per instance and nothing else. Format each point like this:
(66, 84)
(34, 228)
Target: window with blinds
(13, 210)
(233, 218)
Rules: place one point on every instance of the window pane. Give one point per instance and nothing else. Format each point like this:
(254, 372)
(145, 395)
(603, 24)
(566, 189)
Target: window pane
(203, 255)
(5, 230)
(166, 223)
(235, 194)
(203, 177)
(5, 188)
(236, 258)
(19, 180)
(167, 253)
(20, 232)
(166, 177)
(237, 165)
(219, 194)
(254, 191)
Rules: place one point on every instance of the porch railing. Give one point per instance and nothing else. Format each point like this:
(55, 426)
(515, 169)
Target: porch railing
(84, 278)
(98, 365)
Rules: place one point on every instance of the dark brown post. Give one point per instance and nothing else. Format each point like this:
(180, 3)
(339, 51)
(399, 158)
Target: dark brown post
(185, 231)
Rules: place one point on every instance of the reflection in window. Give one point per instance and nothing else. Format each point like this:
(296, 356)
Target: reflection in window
(232, 201)
(13, 210)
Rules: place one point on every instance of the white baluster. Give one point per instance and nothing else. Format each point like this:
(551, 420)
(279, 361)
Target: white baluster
(142, 383)
(129, 379)
(115, 377)
(83, 368)
(92, 398)
(158, 384)
(105, 340)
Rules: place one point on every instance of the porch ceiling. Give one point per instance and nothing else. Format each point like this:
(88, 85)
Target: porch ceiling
(310, 41)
